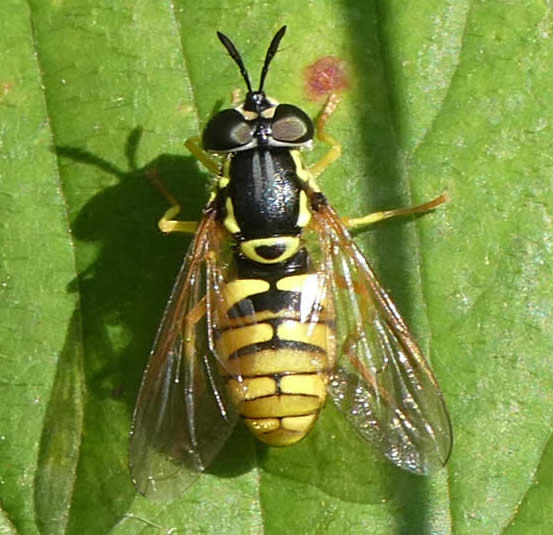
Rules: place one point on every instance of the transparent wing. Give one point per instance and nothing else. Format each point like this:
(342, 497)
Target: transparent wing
(182, 416)
(382, 381)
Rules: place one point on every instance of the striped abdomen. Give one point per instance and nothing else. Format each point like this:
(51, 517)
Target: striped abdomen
(279, 338)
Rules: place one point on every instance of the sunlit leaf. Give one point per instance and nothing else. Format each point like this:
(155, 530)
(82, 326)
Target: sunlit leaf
(443, 96)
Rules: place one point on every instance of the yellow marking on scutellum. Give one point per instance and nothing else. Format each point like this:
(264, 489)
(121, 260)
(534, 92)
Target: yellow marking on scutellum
(291, 245)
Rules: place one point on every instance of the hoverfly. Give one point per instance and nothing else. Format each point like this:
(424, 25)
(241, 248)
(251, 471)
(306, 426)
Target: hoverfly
(274, 309)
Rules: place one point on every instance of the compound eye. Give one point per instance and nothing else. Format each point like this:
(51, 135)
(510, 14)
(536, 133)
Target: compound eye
(291, 124)
(226, 131)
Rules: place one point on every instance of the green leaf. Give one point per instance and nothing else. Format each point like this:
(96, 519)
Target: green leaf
(444, 96)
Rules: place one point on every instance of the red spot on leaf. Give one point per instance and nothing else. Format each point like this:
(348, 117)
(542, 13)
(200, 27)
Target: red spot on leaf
(327, 75)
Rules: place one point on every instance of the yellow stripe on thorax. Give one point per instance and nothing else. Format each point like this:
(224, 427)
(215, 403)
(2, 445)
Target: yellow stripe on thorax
(302, 172)
(230, 222)
(304, 213)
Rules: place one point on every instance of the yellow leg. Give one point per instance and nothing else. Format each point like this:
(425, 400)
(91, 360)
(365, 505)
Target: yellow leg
(194, 145)
(335, 150)
(167, 224)
(358, 223)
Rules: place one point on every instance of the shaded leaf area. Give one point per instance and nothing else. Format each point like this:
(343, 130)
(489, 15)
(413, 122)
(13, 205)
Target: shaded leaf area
(443, 95)
(36, 307)
(534, 513)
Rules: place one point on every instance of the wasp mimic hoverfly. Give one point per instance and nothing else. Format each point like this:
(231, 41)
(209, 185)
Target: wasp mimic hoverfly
(275, 308)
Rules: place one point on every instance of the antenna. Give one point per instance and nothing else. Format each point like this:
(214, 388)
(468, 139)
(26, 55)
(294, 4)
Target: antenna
(271, 51)
(235, 55)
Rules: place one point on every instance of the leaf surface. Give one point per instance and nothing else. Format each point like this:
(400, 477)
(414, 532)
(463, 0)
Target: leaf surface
(444, 96)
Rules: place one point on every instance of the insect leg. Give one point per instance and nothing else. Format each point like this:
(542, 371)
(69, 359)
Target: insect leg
(358, 223)
(167, 224)
(335, 148)
(194, 145)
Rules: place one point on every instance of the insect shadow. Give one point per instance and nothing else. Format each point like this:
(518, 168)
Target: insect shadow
(126, 286)
(122, 294)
